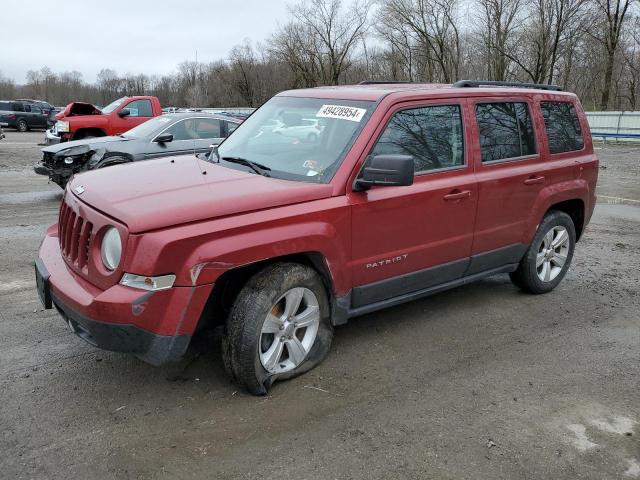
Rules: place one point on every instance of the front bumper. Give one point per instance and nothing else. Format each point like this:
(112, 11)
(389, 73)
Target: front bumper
(41, 169)
(155, 326)
(51, 138)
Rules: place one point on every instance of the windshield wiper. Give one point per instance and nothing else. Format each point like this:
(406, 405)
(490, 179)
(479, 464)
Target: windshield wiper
(256, 167)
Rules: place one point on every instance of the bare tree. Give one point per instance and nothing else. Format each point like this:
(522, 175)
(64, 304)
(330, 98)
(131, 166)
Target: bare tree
(433, 26)
(326, 35)
(499, 20)
(608, 23)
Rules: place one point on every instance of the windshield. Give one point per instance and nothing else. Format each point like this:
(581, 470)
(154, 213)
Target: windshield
(298, 138)
(113, 105)
(150, 127)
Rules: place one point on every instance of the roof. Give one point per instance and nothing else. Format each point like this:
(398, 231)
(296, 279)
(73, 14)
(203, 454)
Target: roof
(180, 115)
(377, 91)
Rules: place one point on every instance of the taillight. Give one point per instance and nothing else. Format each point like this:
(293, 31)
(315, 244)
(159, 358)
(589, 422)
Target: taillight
(11, 116)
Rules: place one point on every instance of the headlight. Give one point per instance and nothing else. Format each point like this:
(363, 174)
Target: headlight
(62, 126)
(161, 282)
(111, 249)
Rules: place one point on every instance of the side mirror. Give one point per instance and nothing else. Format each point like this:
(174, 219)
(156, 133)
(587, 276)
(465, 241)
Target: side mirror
(164, 138)
(125, 112)
(385, 170)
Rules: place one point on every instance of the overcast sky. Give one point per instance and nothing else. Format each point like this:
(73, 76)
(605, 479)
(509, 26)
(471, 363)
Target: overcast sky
(137, 36)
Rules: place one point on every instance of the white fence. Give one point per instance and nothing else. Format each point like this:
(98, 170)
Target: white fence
(617, 125)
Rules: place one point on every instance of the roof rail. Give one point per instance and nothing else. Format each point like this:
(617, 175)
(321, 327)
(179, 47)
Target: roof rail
(376, 82)
(493, 83)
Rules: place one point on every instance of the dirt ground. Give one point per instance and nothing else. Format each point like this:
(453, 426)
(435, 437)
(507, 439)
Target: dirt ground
(481, 382)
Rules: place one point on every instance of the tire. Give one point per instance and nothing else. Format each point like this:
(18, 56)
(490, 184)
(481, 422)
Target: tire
(262, 305)
(22, 126)
(548, 258)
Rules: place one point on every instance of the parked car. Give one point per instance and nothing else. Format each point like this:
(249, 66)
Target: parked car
(170, 134)
(410, 190)
(83, 120)
(21, 115)
(48, 109)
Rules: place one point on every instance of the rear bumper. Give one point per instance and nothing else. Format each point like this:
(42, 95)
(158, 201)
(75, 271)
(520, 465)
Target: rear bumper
(155, 326)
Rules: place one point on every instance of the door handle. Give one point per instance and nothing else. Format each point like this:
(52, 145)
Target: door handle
(534, 180)
(457, 195)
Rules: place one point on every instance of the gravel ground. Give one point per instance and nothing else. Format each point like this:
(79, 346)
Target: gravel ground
(479, 382)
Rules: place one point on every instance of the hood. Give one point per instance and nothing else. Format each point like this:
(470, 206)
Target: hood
(171, 191)
(91, 143)
(78, 108)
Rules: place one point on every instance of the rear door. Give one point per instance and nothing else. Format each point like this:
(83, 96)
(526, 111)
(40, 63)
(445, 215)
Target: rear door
(39, 119)
(407, 239)
(510, 172)
(207, 132)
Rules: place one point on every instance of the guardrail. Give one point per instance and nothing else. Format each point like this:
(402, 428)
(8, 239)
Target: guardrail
(615, 125)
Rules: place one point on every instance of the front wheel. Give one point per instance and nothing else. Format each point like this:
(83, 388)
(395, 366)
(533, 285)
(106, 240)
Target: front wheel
(547, 260)
(279, 327)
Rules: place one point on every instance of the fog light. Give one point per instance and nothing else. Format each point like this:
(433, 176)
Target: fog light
(142, 282)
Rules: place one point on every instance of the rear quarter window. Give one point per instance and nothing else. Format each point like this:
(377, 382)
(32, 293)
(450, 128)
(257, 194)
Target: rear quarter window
(5, 106)
(563, 127)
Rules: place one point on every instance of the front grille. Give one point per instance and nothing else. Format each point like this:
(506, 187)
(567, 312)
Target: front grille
(49, 160)
(74, 233)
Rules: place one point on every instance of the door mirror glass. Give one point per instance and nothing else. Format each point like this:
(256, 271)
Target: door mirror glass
(386, 170)
(125, 112)
(164, 138)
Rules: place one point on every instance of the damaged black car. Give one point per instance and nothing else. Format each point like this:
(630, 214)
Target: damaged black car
(171, 134)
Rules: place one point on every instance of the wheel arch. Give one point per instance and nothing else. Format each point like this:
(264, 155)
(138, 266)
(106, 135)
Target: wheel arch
(83, 132)
(570, 197)
(229, 284)
(575, 208)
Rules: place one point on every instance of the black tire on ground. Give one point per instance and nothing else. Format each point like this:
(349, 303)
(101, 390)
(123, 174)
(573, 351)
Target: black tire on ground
(526, 276)
(241, 339)
(22, 126)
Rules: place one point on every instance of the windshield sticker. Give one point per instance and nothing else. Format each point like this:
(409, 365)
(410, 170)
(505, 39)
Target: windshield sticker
(341, 112)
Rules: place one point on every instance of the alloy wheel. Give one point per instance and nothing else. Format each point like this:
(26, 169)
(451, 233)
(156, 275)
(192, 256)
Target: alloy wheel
(552, 254)
(289, 330)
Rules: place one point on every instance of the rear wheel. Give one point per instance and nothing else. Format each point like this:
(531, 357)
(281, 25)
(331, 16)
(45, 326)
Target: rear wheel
(548, 258)
(279, 327)
(22, 126)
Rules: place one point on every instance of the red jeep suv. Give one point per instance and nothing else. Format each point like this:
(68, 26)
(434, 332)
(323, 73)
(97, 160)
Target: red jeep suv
(404, 190)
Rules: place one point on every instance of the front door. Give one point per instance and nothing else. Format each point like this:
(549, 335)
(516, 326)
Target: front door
(183, 142)
(407, 239)
(139, 112)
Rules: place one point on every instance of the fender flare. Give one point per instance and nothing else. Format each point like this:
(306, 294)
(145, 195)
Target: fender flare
(577, 189)
(213, 258)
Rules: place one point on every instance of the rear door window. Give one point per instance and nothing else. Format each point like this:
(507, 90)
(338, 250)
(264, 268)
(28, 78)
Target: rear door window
(18, 107)
(432, 135)
(207, 128)
(506, 130)
(562, 126)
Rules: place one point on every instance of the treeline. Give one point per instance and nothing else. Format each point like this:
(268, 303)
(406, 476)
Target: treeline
(591, 47)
